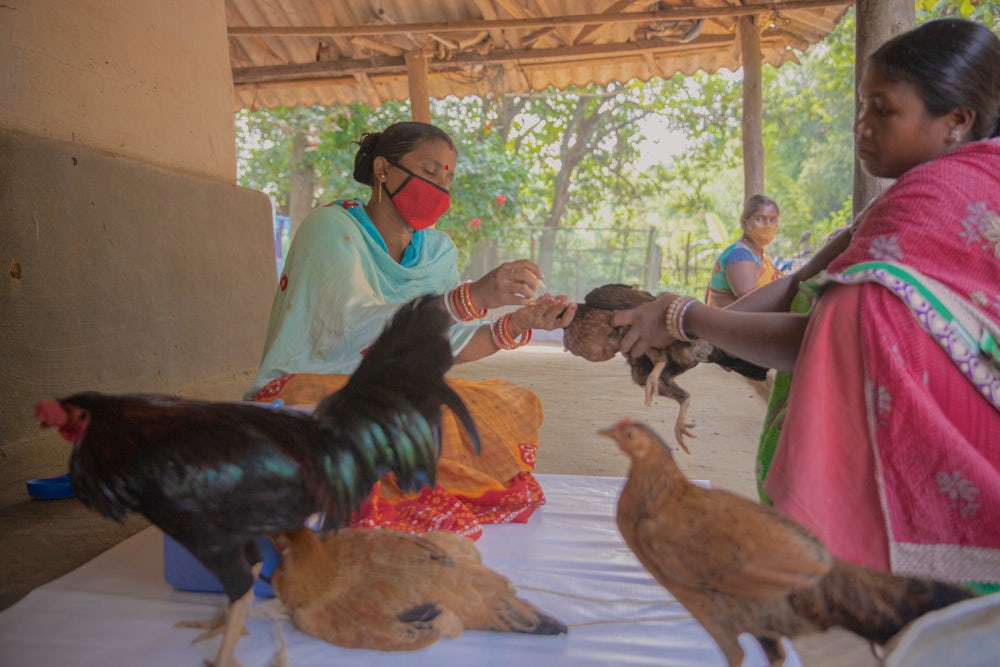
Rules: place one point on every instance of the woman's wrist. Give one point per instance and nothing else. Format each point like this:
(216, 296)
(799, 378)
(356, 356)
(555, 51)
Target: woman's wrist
(506, 336)
(675, 316)
(461, 305)
(476, 293)
(515, 327)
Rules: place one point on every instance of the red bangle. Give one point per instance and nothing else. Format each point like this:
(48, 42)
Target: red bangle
(459, 304)
(500, 334)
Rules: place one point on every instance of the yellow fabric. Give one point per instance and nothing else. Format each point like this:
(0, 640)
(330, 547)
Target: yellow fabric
(507, 416)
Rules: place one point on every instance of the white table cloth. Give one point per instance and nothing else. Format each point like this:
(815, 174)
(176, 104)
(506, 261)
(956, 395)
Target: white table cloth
(569, 560)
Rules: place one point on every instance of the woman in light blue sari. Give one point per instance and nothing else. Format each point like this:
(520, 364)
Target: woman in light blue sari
(350, 267)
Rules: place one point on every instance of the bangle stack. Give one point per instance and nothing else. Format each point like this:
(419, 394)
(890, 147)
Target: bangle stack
(675, 317)
(458, 303)
(500, 334)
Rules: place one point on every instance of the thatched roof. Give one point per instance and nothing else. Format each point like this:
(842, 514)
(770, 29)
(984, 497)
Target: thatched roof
(305, 52)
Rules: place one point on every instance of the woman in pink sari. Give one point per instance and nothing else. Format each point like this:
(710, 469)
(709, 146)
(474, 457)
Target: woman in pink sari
(889, 446)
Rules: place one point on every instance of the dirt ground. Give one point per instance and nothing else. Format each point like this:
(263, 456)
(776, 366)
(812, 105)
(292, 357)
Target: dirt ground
(580, 397)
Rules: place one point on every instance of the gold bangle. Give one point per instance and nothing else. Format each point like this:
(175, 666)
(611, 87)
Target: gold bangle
(460, 306)
(500, 333)
(465, 300)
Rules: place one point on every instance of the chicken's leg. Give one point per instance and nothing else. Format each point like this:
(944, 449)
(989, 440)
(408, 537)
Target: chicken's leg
(235, 618)
(230, 626)
(653, 380)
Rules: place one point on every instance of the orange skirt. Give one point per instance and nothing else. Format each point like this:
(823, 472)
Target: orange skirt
(494, 487)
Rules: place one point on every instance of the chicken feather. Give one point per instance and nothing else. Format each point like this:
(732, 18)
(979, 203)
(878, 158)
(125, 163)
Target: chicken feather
(394, 591)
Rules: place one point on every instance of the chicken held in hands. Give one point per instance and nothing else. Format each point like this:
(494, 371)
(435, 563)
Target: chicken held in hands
(394, 591)
(591, 335)
(738, 566)
(218, 476)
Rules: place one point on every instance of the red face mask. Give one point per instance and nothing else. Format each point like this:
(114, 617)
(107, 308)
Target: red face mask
(419, 201)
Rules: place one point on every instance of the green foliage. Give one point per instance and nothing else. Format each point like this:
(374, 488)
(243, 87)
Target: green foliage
(487, 194)
(570, 160)
(264, 142)
(986, 12)
(808, 144)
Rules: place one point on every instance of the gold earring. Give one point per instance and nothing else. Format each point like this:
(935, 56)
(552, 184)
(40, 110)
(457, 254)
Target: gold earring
(380, 192)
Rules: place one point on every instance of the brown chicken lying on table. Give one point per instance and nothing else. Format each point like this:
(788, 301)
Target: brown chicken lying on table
(393, 591)
(592, 336)
(738, 566)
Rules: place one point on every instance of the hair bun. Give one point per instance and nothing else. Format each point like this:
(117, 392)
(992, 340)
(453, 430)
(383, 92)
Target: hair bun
(365, 157)
(368, 141)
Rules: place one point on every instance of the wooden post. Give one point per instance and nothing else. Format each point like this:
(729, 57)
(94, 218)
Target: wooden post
(420, 98)
(753, 108)
(877, 22)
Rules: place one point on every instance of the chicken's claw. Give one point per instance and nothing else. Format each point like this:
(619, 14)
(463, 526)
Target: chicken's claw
(213, 627)
(682, 427)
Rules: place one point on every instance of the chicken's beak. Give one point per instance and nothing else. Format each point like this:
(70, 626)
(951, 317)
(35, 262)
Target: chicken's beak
(613, 431)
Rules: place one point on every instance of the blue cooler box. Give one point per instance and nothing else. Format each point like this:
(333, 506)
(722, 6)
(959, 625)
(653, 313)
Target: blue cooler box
(186, 573)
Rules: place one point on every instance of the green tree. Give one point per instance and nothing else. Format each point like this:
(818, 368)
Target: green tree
(304, 157)
(560, 160)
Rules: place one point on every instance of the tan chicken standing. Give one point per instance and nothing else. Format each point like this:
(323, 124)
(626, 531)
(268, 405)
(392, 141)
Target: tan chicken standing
(393, 591)
(738, 566)
(592, 336)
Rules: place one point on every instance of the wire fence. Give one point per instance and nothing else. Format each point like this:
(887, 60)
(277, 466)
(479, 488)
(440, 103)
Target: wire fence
(577, 260)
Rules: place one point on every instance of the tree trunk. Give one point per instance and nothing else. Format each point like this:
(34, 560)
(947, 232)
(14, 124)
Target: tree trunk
(301, 184)
(577, 138)
(560, 199)
(877, 22)
(753, 108)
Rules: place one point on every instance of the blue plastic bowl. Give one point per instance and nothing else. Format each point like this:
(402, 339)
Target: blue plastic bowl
(50, 488)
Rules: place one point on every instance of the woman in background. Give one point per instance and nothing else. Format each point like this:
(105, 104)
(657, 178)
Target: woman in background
(744, 266)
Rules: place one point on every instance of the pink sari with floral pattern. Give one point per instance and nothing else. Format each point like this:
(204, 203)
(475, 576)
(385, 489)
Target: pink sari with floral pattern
(890, 448)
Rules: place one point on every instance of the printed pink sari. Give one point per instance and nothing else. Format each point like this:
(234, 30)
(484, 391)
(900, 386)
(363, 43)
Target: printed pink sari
(890, 448)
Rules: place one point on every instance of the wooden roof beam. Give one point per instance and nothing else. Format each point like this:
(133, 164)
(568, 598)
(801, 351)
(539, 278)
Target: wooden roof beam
(590, 30)
(534, 23)
(324, 73)
(489, 14)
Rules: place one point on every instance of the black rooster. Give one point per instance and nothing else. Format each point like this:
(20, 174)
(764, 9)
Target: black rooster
(217, 476)
(592, 336)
